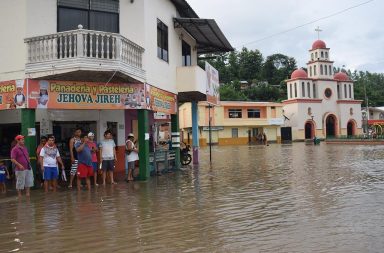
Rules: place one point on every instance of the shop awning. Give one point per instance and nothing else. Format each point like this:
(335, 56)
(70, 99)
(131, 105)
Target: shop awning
(206, 32)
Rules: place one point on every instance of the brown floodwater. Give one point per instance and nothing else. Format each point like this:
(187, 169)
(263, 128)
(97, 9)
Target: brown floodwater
(277, 198)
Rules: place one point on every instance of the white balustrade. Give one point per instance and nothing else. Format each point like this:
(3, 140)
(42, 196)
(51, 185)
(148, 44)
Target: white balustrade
(83, 44)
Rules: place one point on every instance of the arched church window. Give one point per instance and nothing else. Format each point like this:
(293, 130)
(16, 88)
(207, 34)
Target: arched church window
(309, 89)
(330, 70)
(321, 69)
(350, 91)
(312, 56)
(302, 89)
(326, 55)
(316, 55)
(314, 70)
(310, 71)
(345, 91)
(295, 90)
(290, 90)
(338, 91)
(314, 90)
(325, 70)
(322, 54)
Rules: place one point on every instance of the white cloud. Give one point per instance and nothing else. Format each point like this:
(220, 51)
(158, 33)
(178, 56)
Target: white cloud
(356, 36)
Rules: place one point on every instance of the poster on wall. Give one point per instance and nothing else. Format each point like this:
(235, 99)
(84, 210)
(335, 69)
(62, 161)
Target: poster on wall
(85, 95)
(213, 84)
(160, 100)
(13, 94)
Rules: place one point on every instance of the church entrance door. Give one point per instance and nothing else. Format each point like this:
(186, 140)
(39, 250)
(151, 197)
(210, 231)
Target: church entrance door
(351, 128)
(309, 130)
(330, 123)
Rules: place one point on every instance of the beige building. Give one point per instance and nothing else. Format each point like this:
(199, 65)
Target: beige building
(233, 123)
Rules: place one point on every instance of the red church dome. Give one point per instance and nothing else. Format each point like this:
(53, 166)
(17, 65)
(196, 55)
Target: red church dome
(318, 44)
(299, 73)
(341, 76)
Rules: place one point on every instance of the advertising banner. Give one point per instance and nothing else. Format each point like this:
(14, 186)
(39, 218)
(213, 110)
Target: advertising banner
(213, 85)
(85, 95)
(161, 100)
(13, 94)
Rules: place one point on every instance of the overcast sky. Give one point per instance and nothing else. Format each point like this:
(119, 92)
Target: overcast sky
(356, 36)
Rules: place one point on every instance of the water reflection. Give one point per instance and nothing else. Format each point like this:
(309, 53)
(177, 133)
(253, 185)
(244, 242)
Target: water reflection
(280, 198)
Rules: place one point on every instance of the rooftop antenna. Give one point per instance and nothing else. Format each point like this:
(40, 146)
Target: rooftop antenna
(318, 30)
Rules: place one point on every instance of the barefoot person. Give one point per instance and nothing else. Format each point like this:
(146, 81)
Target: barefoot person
(131, 157)
(23, 170)
(74, 140)
(84, 156)
(93, 146)
(49, 159)
(108, 156)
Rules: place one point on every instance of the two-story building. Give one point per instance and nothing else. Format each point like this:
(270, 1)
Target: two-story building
(99, 64)
(234, 122)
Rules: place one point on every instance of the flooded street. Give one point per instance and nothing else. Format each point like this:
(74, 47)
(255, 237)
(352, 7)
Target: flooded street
(277, 198)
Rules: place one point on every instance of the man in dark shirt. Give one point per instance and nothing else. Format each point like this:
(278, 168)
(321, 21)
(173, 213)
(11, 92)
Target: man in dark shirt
(84, 156)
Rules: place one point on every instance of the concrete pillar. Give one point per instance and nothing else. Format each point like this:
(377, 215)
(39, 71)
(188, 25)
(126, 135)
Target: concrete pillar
(143, 139)
(176, 138)
(28, 118)
(195, 133)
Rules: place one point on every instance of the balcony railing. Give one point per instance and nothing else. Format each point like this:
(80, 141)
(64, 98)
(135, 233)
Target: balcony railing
(88, 45)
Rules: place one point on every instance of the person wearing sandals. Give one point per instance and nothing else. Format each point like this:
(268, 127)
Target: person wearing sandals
(108, 156)
(93, 146)
(131, 157)
(23, 169)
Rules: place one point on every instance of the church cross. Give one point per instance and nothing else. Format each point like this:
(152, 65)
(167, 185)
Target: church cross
(318, 30)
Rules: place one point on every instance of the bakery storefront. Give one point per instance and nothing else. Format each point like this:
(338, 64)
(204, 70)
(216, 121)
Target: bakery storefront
(41, 107)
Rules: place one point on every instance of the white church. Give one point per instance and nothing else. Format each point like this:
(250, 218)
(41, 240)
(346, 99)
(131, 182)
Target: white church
(320, 103)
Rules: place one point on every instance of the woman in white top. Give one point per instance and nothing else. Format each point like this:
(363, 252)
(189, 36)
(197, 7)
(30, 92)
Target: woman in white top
(130, 157)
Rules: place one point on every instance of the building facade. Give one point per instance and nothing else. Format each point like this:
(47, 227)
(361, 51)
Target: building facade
(320, 103)
(99, 64)
(233, 123)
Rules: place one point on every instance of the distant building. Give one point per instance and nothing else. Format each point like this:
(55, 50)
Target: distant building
(233, 123)
(320, 103)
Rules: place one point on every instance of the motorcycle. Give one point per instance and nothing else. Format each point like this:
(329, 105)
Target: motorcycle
(185, 157)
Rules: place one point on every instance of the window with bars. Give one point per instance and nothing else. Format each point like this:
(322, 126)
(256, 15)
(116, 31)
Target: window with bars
(253, 113)
(162, 41)
(235, 113)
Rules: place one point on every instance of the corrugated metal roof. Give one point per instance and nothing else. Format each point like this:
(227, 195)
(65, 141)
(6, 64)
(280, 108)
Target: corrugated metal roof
(206, 32)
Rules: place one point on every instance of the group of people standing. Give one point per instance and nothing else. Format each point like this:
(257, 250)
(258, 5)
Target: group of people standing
(84, 161)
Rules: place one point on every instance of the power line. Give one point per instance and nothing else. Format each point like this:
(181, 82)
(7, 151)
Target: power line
(309, 23)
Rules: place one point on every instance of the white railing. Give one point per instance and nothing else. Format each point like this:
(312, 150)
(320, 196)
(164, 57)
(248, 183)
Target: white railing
(84, 44)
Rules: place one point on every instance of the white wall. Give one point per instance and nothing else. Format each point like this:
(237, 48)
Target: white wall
(132, 23)
(161, 73)
(12, 48)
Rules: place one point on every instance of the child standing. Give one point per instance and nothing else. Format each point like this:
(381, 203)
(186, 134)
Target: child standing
(3, 175)
(92, 145)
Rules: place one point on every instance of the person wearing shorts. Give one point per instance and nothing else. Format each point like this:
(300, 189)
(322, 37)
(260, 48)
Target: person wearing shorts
(84, 156)
(23, 171)
(72, 150)
(93, 146)
(131, 157)
(108, 155)
(49, 158)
